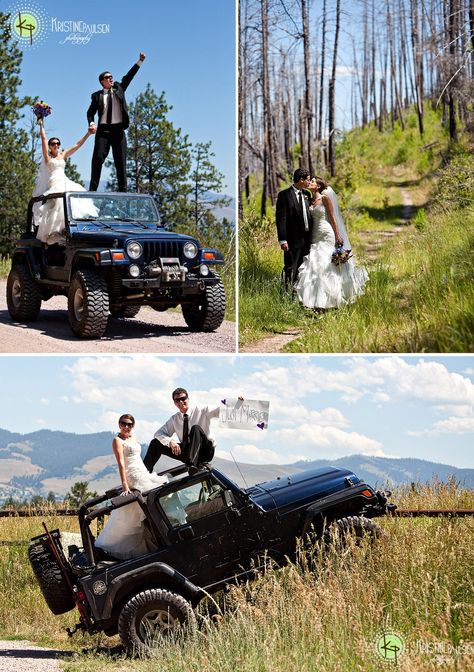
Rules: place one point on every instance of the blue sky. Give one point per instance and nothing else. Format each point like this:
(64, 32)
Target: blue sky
(190, 55)
(320, 406)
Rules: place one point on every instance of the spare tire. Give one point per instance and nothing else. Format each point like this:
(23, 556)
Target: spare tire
(53, 583)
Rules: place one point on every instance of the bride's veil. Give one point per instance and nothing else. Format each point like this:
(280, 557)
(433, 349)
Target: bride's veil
(331, 194)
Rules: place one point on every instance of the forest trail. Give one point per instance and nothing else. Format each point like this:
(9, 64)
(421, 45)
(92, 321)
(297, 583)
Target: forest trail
(372, 244)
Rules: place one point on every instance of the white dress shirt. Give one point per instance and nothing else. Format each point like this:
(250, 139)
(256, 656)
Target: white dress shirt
(196, 416)
(116, 108)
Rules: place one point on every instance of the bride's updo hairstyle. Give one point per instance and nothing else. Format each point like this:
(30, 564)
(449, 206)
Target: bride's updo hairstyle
(322, 185)
(127, 416)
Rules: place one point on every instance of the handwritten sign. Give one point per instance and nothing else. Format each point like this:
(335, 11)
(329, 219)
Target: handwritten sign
(246, 414)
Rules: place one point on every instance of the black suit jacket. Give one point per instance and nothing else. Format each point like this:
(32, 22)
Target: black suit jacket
(119, 88)
(289, 218)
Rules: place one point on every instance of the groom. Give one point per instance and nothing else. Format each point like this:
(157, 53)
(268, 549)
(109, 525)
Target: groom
(111, 107)
(293, 225)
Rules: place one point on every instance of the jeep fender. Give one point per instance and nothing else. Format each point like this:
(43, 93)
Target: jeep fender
(84, 259)
(344, 503)
(24, 256)
(156, 574)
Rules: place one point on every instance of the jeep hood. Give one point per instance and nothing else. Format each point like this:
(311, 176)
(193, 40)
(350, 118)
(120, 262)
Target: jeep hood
(301, 488)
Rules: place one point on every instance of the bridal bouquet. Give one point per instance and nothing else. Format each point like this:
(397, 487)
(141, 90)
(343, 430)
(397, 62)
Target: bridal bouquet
(340, 255)
(41, 110)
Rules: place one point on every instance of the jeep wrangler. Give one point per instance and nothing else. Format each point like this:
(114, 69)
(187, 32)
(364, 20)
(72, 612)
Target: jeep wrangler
(203, 533)
(116, 257)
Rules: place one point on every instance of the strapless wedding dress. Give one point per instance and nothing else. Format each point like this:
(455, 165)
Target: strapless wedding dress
(123, 535)
(322, 284)
(49, 216)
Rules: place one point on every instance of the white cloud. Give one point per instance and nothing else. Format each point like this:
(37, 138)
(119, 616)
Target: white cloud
(44, 401)
(452, 425)
(252, 454)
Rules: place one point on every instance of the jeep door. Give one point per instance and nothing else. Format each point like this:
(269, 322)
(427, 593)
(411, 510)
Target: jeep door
(204, 529)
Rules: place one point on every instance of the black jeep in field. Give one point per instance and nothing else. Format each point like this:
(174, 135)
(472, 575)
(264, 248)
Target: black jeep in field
(116, 257)
(203, 533)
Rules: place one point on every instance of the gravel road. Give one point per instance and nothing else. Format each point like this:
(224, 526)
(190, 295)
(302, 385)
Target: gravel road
(23, 656)
(150, 331)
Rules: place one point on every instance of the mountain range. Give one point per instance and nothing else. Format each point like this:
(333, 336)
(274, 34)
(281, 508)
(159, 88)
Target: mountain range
(46, 460)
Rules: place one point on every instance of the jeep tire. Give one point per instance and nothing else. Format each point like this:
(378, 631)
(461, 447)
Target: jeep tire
(357, 526)
(23, 295)
(207, 313)
(152, 614)
(51, 579)
(88, 304)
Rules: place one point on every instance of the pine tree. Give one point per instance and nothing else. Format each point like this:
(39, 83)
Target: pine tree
(205, 179)
(17, 170)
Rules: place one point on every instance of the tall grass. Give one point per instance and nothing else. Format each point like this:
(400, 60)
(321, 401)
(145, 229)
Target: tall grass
(416, 581)
(5, 266)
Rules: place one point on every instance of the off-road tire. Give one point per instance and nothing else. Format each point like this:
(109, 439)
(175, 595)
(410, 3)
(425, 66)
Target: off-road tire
(50, 578)
(88, 304)
(127, 311)
(23, 295)
(207, 313)
(159, 612)
(357, 526)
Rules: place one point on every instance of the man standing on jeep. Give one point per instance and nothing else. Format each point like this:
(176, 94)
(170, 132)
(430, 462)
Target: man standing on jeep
(192, 427)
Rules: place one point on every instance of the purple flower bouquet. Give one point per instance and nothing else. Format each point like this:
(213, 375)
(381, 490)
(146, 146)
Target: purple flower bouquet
(340, 255)
(41, 110)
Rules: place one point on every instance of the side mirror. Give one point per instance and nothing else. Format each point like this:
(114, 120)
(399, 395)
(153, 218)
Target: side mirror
(230, 501)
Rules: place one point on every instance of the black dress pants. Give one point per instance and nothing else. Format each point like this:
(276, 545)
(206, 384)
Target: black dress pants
(197, 450)
(106, 137)
(292, 260)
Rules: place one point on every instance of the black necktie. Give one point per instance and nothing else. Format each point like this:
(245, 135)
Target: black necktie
(185, 429)
(109, 106)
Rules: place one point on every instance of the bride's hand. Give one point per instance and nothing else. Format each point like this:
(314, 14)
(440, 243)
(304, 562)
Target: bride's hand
(125, 491)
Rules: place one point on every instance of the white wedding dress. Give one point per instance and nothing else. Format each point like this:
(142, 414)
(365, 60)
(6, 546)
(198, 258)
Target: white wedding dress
(49, 216)
(322, 284)
(123, 535)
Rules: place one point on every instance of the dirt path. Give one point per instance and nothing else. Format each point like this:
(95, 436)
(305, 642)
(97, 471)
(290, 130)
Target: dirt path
(150, 331)
(23, 656)
(373, 242)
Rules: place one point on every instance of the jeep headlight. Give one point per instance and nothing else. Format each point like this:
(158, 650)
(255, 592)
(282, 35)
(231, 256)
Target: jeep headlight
(134, 271)
(134, 250)
(190, 250)
(204, 269)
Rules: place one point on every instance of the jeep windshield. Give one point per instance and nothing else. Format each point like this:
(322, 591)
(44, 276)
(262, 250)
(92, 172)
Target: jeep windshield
(137, 210)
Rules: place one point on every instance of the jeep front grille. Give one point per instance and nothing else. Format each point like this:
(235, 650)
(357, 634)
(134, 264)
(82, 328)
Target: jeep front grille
(162, 248)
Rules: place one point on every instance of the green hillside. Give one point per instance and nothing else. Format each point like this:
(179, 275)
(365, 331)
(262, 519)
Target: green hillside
(408, 205)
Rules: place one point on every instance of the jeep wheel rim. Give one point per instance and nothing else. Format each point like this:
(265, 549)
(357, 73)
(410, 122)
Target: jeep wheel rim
(157, 622)
(16, 293)
(78, 304)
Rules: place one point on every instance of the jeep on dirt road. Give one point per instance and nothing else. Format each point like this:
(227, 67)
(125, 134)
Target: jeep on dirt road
(203, 532)
(116, 258)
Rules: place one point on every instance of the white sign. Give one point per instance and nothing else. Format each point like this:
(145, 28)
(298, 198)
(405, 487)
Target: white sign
(244, 414)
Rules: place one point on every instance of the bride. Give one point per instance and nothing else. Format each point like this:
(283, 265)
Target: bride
(49, 216)
(321, 283)
(123, 536)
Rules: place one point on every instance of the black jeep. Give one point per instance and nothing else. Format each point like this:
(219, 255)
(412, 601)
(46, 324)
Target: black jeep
(203, 532)
(116, 257)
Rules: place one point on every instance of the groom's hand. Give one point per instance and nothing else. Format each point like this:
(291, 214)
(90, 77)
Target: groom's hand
(141, 57)
(284, 247)
(175, 447)
(92, 128)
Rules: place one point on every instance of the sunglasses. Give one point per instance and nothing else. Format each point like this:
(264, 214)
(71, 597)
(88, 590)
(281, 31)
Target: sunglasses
(179, 400)
(108, 77)
(126, 424)
(55, 143)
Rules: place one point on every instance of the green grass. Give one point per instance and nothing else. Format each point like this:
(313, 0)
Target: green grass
(416, 580)
(5, 266)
